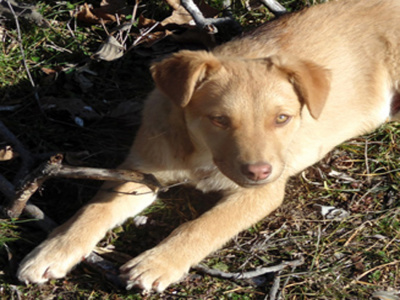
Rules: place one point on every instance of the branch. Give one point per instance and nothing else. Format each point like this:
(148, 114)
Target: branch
(250, 274)
(208, 24)
(54, 168)
(104, 267)
(274, 6)
(44, 222)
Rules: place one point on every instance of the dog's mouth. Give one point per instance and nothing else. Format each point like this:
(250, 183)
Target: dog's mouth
(252, 184)
(238, 176)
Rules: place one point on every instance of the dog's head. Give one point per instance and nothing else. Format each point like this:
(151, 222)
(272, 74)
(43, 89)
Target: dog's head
(245, 112)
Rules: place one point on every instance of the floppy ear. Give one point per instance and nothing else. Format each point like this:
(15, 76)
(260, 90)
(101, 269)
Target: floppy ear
(311, 82)
(179, 75)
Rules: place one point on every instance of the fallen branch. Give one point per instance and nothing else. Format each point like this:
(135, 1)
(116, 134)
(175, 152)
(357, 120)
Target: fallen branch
(275, 288)
(54, 168)
(208, 24)
(44, 222)
(250, 274)
(106, 268)
(274, 292)
(274, 6)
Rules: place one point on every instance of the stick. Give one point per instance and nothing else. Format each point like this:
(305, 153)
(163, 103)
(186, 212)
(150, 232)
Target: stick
(30, 185)
(250, 274)
(275, 287)
(108, 174)
(43, 221)
(105, 267)
(208, 24)
(54, 168)
(274, 6)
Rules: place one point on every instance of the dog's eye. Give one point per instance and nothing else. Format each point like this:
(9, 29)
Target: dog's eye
(220, 121)
(282, 119)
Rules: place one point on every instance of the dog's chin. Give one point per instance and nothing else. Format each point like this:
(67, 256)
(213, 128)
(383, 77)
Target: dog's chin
(246, 183)
(253, 184)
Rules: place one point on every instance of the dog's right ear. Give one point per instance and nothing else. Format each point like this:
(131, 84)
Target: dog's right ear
(179, 75)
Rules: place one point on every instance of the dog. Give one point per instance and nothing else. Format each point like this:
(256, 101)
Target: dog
(241, 119)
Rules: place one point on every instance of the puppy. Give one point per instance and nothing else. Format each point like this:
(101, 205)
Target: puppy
(241, 120)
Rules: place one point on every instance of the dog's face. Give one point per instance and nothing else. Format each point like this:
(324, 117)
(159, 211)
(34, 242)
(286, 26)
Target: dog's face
(244, 112)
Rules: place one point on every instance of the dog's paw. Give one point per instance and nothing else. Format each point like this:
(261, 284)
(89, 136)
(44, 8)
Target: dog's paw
(153, 270)
(50, 260)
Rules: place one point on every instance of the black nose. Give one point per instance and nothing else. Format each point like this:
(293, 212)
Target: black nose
(256, 172)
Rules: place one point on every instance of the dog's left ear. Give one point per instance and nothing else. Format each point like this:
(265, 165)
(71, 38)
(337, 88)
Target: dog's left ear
(179, 75)
(311, 81)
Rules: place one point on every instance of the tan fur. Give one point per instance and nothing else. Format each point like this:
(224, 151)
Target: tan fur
(242, 119)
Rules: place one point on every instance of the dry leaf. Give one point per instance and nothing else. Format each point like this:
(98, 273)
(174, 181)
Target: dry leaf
(85, 14)
(178, 19)
(108, 12)
(206, 10)
(7, 153)
(179, 16)
(48, 71)
(110, 50)
(152, 37)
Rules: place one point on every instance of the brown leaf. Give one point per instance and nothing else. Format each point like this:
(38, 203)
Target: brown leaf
(48, 71)
(178, 19)
(153, 37)
(179, 16)
(85, 14)
(7, 153)
(208, 11)
(106, 13)
(144, 22)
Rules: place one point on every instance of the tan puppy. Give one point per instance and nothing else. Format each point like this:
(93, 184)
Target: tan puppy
(242, 119)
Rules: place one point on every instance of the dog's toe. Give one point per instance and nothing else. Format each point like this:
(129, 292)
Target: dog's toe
(152, 271)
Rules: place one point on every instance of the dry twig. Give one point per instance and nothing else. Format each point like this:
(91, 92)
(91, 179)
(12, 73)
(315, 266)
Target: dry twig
(249, 274)
(105, 267)
(55, 168)
(274, 6)
(208, 24)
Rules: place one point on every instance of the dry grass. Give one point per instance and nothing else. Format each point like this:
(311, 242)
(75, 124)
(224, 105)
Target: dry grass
(348, 258)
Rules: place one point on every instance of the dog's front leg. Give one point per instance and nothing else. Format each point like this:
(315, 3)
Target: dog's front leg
(73, 241)
(156, 268)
